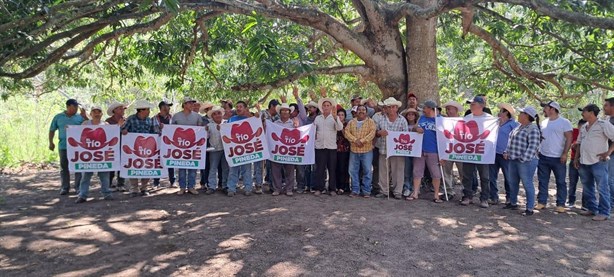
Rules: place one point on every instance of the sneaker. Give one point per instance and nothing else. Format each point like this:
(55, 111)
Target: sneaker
(570, 205)
(230, 194)
(134, 194)
(109, 198)
(587, 213)
(466, 202)
(406, 193)
(258, 189)
(560, 209)
(289, 193)
(540, 206)
(483, 204)
(398, 197)
(600, 217)
(63, 192)
(193, 191)
(209, 191)
(181, 192)
(493, 201)
(144, 193)
(510, 207)
(80, 200)
(121, 188)
(528, 213)
(275, 193)
(172, 185)
(248, 193)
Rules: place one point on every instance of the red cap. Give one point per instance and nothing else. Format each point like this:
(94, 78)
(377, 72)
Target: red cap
(411, 94)
(339, 107)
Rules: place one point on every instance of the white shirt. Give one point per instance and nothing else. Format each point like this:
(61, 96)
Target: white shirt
(553, 132)
(594, 141)
(326, 131)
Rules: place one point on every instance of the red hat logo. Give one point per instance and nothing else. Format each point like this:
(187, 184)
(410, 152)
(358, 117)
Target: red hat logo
(143, 147)
(466, 132)
(184, 138)
(290, 137)
(241, 133)
(404, 139)
(93, 139)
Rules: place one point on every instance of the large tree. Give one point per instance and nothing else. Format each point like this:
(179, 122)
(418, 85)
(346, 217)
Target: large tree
(539, 47)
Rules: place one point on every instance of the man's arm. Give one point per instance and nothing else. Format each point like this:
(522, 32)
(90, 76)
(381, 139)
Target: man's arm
(568, 141)
(51, 144)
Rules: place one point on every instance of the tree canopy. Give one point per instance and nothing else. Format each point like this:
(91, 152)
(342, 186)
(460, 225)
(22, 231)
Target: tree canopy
(541, 49)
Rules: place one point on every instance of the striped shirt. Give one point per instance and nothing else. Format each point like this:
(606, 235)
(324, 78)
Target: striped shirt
(364, 134)
(524, 143)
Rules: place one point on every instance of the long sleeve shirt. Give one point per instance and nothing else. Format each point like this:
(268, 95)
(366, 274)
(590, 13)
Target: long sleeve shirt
(326, 131)
(523, 143)
(142, 126)
(365, 134)
(302, 112)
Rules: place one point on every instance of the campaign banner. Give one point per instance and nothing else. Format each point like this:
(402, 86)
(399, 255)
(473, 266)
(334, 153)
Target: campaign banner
(406, 144)
(244, 142)
(183, 146)
(93, 148)
(140, 156)
(468, 140)
(291, 145)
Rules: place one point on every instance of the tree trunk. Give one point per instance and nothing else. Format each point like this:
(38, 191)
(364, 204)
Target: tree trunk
(421, 51)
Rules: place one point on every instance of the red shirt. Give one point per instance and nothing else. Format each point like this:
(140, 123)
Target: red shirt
(574, 135)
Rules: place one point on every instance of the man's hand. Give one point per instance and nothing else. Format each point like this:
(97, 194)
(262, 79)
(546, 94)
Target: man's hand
(284, 99)
(382, 133)
(359, 143)
(323, 92)
(442, 162)
(604, 156)
(51, 146)
(217, 126)
(576, 163)
(257, 106)
(82, 112)
(295, 91)
(295, 122)
(419, 130)
(564, 159)
(313, 96)
(506, 156)
(124, 132)
(121, 122)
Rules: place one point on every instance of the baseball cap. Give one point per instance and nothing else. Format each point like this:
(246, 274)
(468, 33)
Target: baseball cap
(411, 95)
(477, 99)
(164, 103)
(552, 104)
(96, 107)
(529, 111)
(430, 104)
(591, 108)
(72, 102)
(356, 97)
(188, 99)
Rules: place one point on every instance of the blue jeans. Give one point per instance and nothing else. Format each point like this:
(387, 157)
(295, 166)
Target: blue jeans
(244, 171)
(519, 171)
(105, 183)
(596, 175)
(258, 171)
(544, 167)
(503, 164)
(574, 177)
(191, 178)
(408, 182)
(610, 178)
(217, 160)
(360, 161)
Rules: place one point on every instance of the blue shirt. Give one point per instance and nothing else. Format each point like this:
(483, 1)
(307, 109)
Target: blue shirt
(59, 123)
(141, 126)
(429, 141)
(235, 118)
(504, 135)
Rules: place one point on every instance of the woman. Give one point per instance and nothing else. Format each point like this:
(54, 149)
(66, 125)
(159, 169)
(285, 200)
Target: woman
(343, 156)
(522, 155)
(411, 115)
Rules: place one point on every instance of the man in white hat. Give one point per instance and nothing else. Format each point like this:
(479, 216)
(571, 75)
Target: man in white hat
(391, 121)
(300, 114)
(557, 134)
(187, 177)
(289, 170)
(216, 157)
(205, 107)
(86, 177)
(327, 125)
(506, 126)
(139, 123)
(116, 111)
(162, 118)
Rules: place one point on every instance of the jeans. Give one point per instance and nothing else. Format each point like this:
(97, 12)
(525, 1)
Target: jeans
(105, 183)
(574, 177)
(65, 173)
(300, 177)
(217, 160)
(544, 167)
(522, 171)
(244, 171)
(258, 172)
(360, 161)
(310, 177)
(171, 177)
(596, 175)
(204, 173)
(469, 170)
(610, 178)
(503, 164)
(191, 178)
(408, 182)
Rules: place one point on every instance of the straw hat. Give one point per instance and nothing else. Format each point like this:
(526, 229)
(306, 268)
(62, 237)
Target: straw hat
(391, 101)
(330, 100)
(215, 109)
(509, 108)
(113, 106)
(141, 104)
(284, 106)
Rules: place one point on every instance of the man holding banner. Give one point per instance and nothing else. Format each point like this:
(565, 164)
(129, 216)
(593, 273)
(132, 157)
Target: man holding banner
(187, 117)
(290, 142)
(360, 132)
(393, 166)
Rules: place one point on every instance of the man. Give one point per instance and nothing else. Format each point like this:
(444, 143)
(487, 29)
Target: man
(116, 112)
(557, 138)
(327, 125)
(453, 109)
(216, 156)
(196, 106)
(204, 173)
(506, 125)
(370, 105)
(228, 111)
(393, 166)
(572, 171)
(60, 123)
(486, 109)
(608, 109)
(289, 170)
(360, 132)
(271, 115)
(412, 101)
(187, 177)
(161, 119)
(243, 171)
(300, 114)
(476, 111)
(139, 123)
(593, 162)
(355, 102)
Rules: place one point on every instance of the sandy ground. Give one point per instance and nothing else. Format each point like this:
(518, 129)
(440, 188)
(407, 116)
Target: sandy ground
(43, 234)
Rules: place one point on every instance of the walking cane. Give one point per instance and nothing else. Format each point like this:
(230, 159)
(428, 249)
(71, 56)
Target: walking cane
(388, 177)
(443, 179)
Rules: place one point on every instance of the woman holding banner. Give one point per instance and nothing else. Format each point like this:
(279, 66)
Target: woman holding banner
(411, 115)
(522, 155)
(429, 158)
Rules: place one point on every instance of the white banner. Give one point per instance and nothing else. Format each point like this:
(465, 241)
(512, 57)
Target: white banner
(407, 144)
(291, 145)
(244, 142)
(140, 156)
(183, 147)
(93, 148)
(468, 140)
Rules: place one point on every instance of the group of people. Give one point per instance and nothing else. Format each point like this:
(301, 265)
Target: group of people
(350, 151)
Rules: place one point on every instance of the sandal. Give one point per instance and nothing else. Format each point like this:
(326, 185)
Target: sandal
(340, 192)
(437, 200)
(411, 198)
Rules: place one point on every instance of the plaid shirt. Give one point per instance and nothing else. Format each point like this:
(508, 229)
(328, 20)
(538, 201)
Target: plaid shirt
(399, 125)
(365, 134)
(524, 142)
(141, 126)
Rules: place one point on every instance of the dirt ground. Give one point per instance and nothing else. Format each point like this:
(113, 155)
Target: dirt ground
(44, 234)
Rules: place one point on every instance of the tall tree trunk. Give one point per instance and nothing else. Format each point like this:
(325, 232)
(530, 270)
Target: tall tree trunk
(421, 53)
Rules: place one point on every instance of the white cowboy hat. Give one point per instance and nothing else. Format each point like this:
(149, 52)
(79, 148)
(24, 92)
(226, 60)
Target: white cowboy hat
(311, 104)
(205, 106)
(284, 106)
(509, 108)
(141, 104)
(455, 104)
(215, 109)
(188, 99)
(96, 107)
(391, 101)
(114, 106)
(330, 100)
